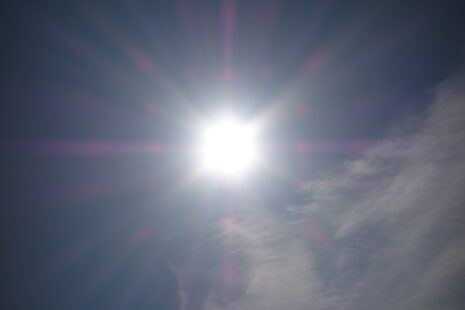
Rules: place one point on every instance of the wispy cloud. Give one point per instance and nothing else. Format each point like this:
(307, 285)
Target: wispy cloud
(393, 220)
(253, 263)
(387, 232)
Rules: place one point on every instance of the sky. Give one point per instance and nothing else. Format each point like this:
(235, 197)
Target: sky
(359, 204)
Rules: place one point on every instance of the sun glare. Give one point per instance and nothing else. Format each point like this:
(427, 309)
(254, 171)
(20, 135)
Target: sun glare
(228, 147)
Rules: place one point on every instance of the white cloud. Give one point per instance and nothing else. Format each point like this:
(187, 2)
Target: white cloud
(394, 218)
(385, 233)
(254, 263)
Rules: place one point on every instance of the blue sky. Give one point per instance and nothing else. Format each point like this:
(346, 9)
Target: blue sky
(359, 206)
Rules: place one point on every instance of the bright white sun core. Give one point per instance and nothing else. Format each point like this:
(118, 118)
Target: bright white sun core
(228, 147)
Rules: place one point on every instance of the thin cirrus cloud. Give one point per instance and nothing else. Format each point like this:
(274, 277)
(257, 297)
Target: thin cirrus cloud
(392, 221)
(385, 233)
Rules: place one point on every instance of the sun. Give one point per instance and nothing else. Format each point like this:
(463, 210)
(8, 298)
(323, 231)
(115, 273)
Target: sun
(228, 147)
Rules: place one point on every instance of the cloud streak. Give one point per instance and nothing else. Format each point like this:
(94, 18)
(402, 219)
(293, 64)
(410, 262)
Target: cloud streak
(393, 219)
(387, 232)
